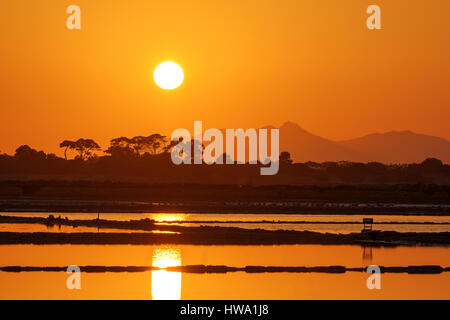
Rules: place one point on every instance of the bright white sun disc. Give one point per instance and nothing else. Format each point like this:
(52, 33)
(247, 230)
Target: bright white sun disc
(168, 75)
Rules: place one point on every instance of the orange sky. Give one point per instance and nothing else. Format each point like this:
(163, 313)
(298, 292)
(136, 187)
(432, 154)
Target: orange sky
(247, 63)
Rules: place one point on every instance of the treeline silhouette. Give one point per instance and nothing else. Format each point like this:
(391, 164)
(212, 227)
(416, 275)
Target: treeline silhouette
(148, 159)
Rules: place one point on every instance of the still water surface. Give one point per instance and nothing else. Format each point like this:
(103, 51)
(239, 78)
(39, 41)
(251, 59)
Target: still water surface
(162, 284)
(272, 221)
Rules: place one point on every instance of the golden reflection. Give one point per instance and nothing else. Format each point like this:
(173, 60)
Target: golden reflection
(171, 217)
(166, 285)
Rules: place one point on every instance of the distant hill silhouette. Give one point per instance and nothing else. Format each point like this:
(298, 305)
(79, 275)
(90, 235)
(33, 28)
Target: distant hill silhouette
(400, 147)
(389, 147)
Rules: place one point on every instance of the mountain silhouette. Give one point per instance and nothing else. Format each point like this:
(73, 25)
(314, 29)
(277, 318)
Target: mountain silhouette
(389, 147)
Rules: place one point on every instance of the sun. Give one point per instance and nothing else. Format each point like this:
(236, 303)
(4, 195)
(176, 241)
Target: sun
(168, 75)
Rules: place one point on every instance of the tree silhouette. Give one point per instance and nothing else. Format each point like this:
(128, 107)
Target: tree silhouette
(137, 146)
(155, 143)
(121, 147)
(26, 152)
(285, 157)
(122, 142)
(122, 152)
(432, 163)
(169, 146)
(23, 151)
(84, 147)
(67, 144)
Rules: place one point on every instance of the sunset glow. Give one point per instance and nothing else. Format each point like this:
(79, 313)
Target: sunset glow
(224, 150)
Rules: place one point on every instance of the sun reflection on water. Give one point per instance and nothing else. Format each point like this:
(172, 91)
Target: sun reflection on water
(170, 217)
(166, 285)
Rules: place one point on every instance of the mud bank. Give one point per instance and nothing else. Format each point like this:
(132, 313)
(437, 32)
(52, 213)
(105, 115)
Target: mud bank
(231, 236)
(423, 269)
